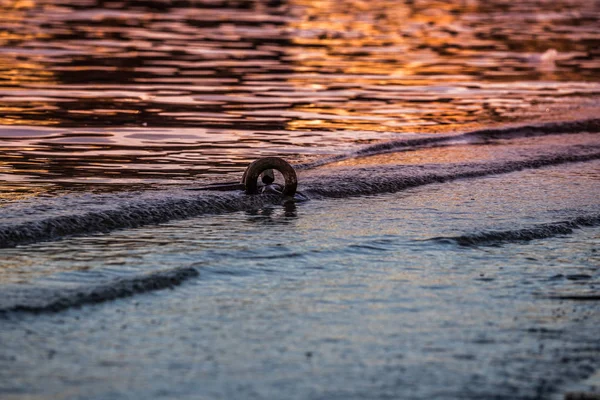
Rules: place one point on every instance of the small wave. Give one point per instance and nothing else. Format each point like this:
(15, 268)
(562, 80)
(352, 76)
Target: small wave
(541, 231)
(552, 128)
(129, 214)
(594, 296)
(45, 300)
(390, 179)
(41, 221)
(525, 131)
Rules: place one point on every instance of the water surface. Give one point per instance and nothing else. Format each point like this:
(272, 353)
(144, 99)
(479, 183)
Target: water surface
(98, 95)
(451, 158)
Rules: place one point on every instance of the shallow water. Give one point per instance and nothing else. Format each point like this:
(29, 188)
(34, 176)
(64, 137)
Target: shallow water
(450, 153)
(347, 298)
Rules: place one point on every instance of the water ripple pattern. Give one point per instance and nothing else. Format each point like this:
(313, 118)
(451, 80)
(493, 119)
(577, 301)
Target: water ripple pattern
(449, 152)
(136, 93)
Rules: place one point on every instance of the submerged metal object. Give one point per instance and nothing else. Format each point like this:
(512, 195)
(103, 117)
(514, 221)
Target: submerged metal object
(267, 164)
(263, 167)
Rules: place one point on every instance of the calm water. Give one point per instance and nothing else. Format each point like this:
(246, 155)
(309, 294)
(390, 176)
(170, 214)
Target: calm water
(102, 94)
(449, 249)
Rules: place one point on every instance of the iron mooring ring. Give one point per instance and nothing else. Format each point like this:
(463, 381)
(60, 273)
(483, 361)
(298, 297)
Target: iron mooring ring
(250, 177)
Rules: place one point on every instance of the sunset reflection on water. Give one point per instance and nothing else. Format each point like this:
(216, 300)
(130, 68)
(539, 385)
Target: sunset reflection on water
(147, 92)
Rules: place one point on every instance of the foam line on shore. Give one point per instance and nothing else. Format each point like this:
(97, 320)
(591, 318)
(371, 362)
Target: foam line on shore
(540, 231)
(390, 179)
(167, 206)
(66, 217)
(130, 214)
(46, 300)
(478, 136)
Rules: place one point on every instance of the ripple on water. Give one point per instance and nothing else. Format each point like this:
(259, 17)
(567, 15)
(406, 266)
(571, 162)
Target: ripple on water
(145, 93)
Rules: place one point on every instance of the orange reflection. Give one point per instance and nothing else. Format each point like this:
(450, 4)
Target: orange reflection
(235, 80)
(468, 153)
(372, 45)
(435, 155)
(10, 193)
(17, 68)
(411, 55)
(8, 5)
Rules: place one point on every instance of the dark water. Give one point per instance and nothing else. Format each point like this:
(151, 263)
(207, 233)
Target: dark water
(450, 152)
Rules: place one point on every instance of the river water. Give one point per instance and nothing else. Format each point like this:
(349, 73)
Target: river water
(449, 153)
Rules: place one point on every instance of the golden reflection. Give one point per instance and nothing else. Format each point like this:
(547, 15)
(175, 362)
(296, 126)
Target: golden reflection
(468, 153)
(7, 5)
(19, 67)
(372, 45)
(13, 115)
(14, 187)
(438, 48)
(26, 121)
(306, 77)
(11, 193)
(435, 155)
(14, 72)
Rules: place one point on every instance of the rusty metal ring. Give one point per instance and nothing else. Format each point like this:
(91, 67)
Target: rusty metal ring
(250, 177)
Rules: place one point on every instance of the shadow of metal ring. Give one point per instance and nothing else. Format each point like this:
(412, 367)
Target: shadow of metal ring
(250, 177)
